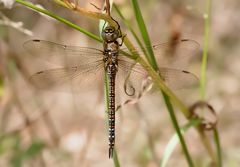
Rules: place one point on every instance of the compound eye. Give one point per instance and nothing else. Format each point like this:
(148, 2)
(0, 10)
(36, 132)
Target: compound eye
(111, 29)
(115, 35)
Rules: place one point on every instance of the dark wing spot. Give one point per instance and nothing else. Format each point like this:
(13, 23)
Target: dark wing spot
(74, 68)
(40, 72)
(184, 40)
(36, 40)
(185, 71)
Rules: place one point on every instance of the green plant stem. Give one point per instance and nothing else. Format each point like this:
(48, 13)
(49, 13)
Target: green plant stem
(218, 146)
(205, 49)
(32, 6)
(176, 126)
(203, 83)
(206, 143)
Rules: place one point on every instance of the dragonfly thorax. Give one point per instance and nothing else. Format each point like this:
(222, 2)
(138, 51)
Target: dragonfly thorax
(110, 34)
(110, 57)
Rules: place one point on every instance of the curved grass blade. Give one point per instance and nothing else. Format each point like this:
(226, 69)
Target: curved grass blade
(177, 128)
(174, 141)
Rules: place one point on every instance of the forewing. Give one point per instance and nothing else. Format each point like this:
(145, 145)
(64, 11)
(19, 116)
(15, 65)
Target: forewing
(77, 67)
(170, 54)
(176, 53)
(63, 55)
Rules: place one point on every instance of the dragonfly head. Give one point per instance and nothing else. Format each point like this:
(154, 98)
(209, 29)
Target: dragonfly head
(110, 34)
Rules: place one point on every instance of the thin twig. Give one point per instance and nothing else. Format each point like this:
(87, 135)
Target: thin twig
(82, 11)
(108, 8)
(5, 21)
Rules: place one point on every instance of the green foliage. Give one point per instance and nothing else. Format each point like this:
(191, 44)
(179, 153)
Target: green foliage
(1, 87)
(11, 144)
(22, 154)
(144, 156)
(2, 32)
(34, 149)
(8, 142)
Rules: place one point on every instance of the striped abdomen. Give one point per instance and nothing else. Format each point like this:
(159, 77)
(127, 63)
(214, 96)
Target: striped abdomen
(111, 115)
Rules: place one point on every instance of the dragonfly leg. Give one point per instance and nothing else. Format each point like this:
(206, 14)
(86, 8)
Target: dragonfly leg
(98, 8)
(122, 37)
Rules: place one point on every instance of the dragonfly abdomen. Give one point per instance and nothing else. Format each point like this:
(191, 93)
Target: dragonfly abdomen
(111, 108)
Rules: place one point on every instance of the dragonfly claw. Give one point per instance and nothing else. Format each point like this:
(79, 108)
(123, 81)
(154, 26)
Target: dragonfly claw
(110, 152)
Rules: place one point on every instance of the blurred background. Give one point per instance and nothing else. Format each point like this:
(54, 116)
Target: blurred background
(51, 128)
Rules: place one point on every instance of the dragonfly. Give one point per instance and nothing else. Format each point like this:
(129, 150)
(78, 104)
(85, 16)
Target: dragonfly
(80, 62)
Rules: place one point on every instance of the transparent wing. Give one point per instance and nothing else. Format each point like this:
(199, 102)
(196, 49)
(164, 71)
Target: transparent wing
(74, 76)
(174, 78)
(174, 53)
(61, 54)
(178, 79)
(80, 66)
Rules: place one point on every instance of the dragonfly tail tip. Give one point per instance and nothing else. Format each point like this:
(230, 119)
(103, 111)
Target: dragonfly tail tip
(110, 153)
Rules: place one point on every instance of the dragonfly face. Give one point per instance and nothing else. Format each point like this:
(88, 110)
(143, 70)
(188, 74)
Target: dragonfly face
(110, 34)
